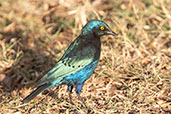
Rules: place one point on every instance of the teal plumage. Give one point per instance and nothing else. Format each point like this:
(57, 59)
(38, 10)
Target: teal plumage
(78, 62)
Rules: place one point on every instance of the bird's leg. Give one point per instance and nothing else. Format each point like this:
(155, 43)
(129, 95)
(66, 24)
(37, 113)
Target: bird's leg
(70, 98)
(78, 91)
(79, 97)
(69, 92)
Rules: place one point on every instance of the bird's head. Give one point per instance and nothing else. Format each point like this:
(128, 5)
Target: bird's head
(97, 27)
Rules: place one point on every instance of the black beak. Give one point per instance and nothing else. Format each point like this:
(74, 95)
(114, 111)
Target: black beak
(111, 33)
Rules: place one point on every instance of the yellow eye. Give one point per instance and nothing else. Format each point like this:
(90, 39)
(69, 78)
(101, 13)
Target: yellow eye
(101, 28)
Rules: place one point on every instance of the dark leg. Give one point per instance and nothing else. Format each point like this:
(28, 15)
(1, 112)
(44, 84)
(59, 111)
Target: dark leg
(78, 91)
(69, 92)
(79, 97)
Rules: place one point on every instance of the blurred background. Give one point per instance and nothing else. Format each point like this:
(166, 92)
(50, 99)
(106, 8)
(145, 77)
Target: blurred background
(134, 72)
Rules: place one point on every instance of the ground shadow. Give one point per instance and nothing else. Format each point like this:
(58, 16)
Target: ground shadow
(32, 65)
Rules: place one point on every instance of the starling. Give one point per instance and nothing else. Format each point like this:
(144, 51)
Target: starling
(78, 62)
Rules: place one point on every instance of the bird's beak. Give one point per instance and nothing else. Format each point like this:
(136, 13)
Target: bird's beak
(111, 33)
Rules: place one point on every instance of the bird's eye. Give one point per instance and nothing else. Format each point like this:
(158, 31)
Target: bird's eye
(102, 28)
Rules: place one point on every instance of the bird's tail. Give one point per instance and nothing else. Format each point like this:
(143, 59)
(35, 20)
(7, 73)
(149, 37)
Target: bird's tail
(36, 92)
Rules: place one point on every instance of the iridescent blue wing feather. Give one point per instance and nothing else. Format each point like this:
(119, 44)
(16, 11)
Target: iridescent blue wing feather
(72, 61)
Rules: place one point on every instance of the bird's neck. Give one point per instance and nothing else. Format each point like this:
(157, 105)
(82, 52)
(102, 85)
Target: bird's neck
(93, 40)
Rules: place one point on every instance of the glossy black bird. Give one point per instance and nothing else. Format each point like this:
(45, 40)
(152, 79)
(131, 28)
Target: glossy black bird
(78, 62)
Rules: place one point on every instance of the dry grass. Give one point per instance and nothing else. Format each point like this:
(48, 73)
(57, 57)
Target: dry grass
(134, 73)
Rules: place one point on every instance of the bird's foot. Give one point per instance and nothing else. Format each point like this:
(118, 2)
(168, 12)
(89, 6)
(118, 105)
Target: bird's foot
(71, 103)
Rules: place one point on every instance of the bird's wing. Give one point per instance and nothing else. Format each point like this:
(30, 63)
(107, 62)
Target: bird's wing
(72, 61)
